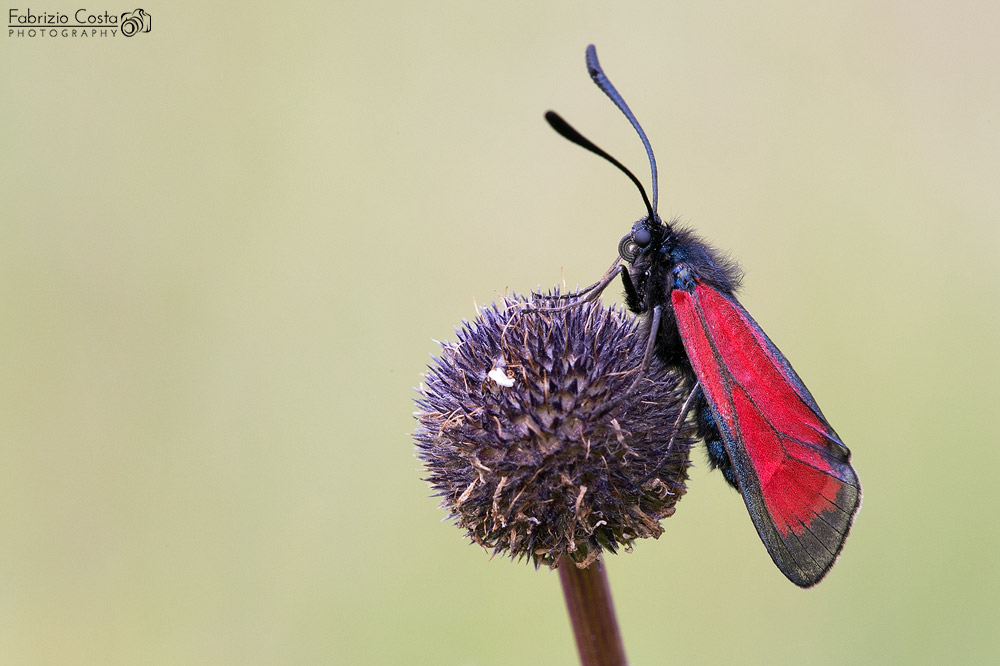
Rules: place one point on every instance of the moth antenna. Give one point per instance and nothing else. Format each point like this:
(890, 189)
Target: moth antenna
(567, 131)
(601, 79)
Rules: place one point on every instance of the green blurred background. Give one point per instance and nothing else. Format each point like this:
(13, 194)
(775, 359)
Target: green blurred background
(228, 244)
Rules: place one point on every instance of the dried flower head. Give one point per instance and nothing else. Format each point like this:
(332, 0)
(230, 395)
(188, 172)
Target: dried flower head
(517, 440)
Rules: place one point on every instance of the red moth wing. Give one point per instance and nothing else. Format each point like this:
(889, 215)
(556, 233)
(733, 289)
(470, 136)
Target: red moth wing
(793, 471)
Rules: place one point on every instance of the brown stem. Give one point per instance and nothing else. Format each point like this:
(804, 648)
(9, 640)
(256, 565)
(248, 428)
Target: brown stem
(592, 613)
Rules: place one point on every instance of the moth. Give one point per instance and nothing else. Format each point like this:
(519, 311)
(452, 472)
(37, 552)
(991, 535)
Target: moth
(761, 427)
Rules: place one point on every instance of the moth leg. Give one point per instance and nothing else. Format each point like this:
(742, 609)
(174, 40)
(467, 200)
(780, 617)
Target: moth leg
(654, 327)
(693, 394)
(591, 293)
(632, 299)
(646, 358)
(580, 293)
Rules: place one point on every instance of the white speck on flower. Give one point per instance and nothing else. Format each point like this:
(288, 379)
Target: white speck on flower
(500, 377)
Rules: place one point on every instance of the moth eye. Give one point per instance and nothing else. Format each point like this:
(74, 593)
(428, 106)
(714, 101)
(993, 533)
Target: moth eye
(642, 237)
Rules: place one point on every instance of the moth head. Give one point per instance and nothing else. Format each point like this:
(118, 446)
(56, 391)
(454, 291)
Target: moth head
(644, 239)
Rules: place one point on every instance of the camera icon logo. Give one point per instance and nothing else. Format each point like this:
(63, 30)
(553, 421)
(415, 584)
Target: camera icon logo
(134, 22)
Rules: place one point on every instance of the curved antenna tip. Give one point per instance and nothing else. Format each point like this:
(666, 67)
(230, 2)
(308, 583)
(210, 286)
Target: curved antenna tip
(567, 131)
(592, 63)
(602, 82)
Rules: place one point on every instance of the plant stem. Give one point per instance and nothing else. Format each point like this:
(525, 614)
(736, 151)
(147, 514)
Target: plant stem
(592, 613)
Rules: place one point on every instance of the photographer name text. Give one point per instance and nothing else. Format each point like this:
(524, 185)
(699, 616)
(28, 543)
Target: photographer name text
(81, 23)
